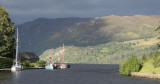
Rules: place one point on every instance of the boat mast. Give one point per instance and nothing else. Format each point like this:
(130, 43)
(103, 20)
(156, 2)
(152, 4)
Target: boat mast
(62, 53)
(17, 48)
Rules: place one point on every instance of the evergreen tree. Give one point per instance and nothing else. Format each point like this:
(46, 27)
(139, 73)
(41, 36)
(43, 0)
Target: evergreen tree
(131, 65)
(7, 31)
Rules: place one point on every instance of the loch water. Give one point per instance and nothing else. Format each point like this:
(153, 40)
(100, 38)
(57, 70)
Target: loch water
(76, 74)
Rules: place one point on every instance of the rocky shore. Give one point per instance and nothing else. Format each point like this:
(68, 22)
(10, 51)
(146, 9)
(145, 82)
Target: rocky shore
(144, 75)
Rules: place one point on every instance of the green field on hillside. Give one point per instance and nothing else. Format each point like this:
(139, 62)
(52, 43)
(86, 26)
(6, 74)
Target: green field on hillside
(149, 68)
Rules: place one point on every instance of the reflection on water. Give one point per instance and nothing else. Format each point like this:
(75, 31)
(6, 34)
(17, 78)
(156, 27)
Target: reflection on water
(16, 74)
(4, 75)
(77, 74)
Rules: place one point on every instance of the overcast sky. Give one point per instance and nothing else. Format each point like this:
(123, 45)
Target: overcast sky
(27, 10)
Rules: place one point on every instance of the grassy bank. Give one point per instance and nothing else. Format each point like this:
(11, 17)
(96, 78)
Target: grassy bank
(149, 68)
(149, 64)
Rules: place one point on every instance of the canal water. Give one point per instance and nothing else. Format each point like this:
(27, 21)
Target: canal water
(76, 74)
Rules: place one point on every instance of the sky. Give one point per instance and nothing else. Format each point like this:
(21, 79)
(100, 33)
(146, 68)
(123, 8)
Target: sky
(21, 11)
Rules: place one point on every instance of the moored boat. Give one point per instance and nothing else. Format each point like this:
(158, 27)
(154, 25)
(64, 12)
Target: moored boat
(16, 66)
(49, 66)
(63, 65)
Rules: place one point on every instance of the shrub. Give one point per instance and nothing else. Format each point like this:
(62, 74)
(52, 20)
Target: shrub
(25, 64)
(144, 59)
(156, 62)
(40, 63)
(6, 62)
(156, 59)
(32, 65)
(131, 65)
(0, 65)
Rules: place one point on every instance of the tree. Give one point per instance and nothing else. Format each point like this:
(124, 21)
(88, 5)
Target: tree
(131, 65)
(7, 31)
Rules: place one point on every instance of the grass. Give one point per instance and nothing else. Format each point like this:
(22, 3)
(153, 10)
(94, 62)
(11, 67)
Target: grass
(149, 68)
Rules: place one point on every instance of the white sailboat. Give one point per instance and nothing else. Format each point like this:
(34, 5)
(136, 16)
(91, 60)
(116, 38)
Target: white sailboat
(16, 66)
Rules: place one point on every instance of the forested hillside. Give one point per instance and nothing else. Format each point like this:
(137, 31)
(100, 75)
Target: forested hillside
(108, 53)
(43, 34)
(35, 36)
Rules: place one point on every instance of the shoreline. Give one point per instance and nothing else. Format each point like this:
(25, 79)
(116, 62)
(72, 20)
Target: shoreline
(145, 75)
(29, 68)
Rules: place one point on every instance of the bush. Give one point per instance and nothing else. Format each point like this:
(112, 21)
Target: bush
(156, 62)
(131, 65)
(6, 62)
(40, 63)
(32, 65)
(25, 64)
(156, 59)
(0, 66)
(144, 59)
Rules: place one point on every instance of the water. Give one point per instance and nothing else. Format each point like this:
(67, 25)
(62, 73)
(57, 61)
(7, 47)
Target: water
(77, 74)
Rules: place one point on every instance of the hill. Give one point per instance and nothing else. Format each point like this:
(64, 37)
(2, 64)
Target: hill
(35, 35)
(100, 30)
(110, 28)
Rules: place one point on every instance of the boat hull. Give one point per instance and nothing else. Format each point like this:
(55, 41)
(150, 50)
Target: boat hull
(16, 68)
(64, 66)
(49, 67)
